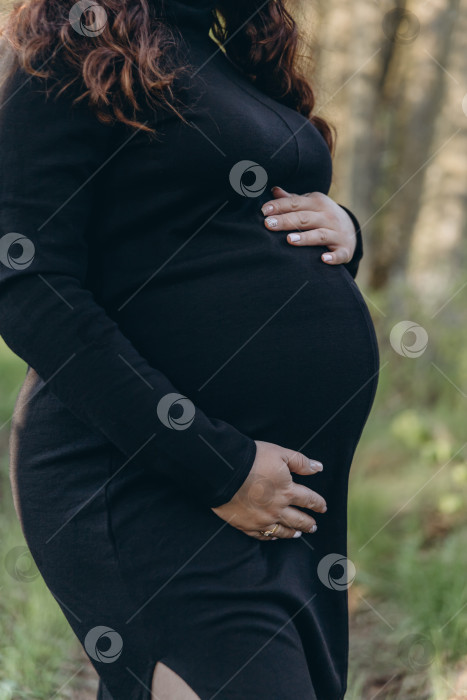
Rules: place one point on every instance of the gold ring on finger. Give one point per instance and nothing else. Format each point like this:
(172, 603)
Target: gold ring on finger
(269, 533)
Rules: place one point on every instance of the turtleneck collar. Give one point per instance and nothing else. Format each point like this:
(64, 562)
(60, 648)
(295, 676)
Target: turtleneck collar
(196, 14)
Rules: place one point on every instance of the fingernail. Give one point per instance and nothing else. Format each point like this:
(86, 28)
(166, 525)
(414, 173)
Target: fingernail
(267, 209)
(294, 237)
(274, 538)
(325, 509)
(297, 534)
(327, 257)
(272, 221)
(316, 466)
(313, 528)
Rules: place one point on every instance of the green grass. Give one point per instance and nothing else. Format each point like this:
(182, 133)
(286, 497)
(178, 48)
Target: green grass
(408, 520)
(12, 371)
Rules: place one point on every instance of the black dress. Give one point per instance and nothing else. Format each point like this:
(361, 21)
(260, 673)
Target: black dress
(165, 329)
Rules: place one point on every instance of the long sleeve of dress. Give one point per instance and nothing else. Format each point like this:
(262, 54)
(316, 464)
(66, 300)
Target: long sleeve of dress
(50, 153)
(353, 265)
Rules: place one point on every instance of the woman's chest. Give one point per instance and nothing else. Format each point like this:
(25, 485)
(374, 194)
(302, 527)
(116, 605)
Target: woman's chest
(233, 140)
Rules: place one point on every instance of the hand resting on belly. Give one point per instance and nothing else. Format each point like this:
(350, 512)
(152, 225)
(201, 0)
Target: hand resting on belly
(269, 493)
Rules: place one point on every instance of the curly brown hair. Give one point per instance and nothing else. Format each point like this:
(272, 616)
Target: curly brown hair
(133, 60)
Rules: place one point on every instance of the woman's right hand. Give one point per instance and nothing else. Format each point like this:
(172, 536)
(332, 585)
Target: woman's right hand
(268, 494)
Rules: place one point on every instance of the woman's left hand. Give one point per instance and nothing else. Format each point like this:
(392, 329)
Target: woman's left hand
(316, 219)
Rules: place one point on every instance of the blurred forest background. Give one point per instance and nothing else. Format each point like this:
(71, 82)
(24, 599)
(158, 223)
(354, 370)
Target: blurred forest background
(392, 77)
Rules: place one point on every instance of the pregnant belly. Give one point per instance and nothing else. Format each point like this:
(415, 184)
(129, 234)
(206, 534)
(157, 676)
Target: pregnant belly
(276, 344)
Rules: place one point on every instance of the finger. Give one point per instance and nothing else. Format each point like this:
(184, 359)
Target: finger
(318, 236)
(295, 221)
(286, 533)
(307, 498)
(298, 520)
(336, 257)
(282, 532)
(255, 534)
(299, 464)
(274, 205)
(286, 203)
(280, 192)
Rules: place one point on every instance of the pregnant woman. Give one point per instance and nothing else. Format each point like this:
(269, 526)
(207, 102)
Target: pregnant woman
(201, 363)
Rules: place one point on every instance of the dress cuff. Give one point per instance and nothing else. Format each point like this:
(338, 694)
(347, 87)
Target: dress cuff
(352, 265)
(228, 492)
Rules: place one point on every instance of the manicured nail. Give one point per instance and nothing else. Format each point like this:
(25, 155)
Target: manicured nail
(272, 221)
(313, 528)
(294, 237)
(297, 534)
(327, 257)
(316, 466)
(267, 209)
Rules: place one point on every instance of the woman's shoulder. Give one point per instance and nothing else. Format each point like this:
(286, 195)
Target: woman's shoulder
(37, 103)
